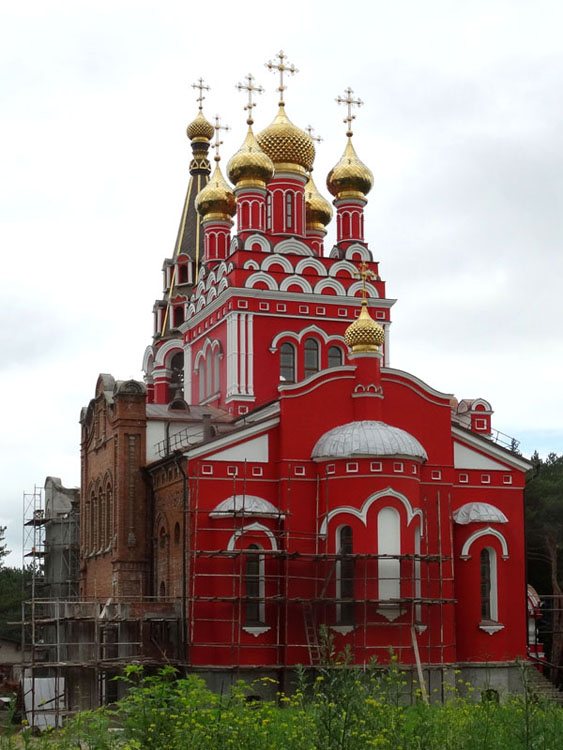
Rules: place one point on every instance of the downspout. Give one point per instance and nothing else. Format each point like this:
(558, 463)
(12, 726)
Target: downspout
(185, 568)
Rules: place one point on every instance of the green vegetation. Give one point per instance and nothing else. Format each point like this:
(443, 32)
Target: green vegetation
(11, 596)
(345, 708)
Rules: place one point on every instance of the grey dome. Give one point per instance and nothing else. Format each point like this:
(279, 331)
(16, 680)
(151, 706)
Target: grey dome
(248, 505)
(367, 438)
(479, 513)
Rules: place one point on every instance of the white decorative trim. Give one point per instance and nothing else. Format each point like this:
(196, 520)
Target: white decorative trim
(165, 349)
(390, 611)
(333, 284)
(316, 381)
(389, 371)
(342, 629)
(260, 276)
(250, 354)
(301, 335)
(188, 374)
(233, 438)
(282, 261)
(148, 360)
(358, 286)
(298, 281)
(292, 246)
(477, 535)
(343, 265)
(491, 629)
(232, 354)
(315, 263)
(365, 254)
(259, 239)
(486, 446)
(258, 527)
(362, 513)
(256, 630)
(212, 344)
(251, 265)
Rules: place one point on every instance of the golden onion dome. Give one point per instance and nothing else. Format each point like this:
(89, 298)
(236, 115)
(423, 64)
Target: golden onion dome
(350, 178)
(216, 200)
(200, 129)
(318, 211)
(291, 149)
(364, 334)
(250, 166)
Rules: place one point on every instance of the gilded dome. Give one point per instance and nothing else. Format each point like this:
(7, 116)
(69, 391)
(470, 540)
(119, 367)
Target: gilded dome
(200, 129)
(364, 334)
(216, 200)
(350, 178)
(318, 211)
(250, 166)
(290, 148)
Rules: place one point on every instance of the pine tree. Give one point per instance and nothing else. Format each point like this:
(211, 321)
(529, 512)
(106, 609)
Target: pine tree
(3, 547)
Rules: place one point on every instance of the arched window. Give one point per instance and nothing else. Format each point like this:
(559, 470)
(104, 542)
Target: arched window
(162, 538)
(311, 365)
(209, 373)
(162, 590)
(289, 210)
(287, 363)
(109, 518)
(182, 273)
(201, 379)
(389, 543)
(216, 372)
(254, 608)
(489, 598)
(178, 315)
(176, 534)
(334, 356)
(345, 576)
(102, 521)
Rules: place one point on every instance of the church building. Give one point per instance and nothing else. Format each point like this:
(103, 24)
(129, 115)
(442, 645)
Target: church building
(275, 479)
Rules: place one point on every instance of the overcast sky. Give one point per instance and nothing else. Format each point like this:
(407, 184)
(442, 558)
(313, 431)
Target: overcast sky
(461, 127)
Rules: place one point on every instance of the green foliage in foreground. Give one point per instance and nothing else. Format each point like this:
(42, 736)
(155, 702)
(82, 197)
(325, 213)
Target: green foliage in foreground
(344, 709)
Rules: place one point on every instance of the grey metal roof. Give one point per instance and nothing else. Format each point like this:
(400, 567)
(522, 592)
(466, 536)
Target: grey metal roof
(479, 512)
(367, 438)
(248, 505)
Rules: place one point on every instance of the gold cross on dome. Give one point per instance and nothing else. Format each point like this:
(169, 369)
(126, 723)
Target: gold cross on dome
(202, 87)
(364, 274)
(282, 67)
(218, 142)
(310, 130)
(251, 88)
(349, 102)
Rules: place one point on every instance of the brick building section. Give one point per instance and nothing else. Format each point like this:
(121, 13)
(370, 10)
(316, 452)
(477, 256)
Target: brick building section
(114, 543)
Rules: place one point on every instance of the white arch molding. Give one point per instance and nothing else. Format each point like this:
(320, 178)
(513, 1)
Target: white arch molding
(257, 239)
(362, 512)
(280, 260)
(343, 265)
(213, 344)
(165, 349)
(256, 527)
(260, 276)
(293, 247)
(477, 535)
(302, 283)
(298, 337)
(333, 284)
(306, 263)
(358, 285)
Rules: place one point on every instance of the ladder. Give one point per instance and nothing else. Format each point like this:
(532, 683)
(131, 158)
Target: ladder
(311, 634)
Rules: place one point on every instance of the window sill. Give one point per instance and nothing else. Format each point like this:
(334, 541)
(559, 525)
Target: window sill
(342, 629)
(490, 627)
(256, 630)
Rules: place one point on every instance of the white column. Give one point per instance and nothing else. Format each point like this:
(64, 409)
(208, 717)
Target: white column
(242, 353)
(188, 374)
(250, 355)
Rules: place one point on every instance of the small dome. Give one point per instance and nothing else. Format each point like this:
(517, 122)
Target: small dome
(216, 200)
(290, 148)
(478, 513)
(248, 505)
(250, 166)
(364, 334)
(350, 178)
(367, 438)
(200, 129)
(318, 211)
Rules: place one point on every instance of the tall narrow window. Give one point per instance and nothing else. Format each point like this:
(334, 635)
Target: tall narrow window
(389, 549)
(269, 211)
(109, 515)
(254, 609)
(334, 356)
(177, 376)
(311, 357)
(216, 371)
(489, 598)
(201, 379)
(345, 576)
(287, 363)
(289, 210)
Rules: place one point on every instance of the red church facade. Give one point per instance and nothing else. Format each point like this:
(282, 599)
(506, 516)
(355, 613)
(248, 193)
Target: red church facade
(274, 474)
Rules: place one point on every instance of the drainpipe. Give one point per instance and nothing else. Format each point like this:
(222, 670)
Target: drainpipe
(185, 569)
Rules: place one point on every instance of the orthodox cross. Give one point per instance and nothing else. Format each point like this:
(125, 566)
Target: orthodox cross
(310, 130)
(202, 87)
(218, 142)
(251, 88)
(364, 274)
(282, 67)
(349, 102)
